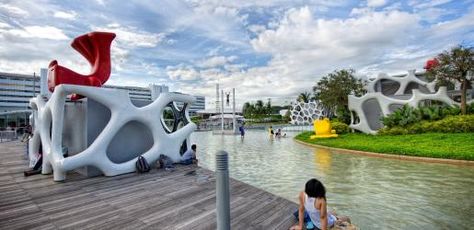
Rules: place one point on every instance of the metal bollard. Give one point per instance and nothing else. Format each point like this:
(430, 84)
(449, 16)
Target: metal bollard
(222, 191)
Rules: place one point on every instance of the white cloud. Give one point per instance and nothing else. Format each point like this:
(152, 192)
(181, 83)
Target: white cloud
(206, 41)
(461, 27)
(304, 48)
(71, 15)
(100, 2)
(376, 3)
(216, 61)
(45, 32)
(256, 28)
(432, 14)
(132, 37)
(183, 73)
(4, 25)
(299, 35)
(13, 11)
(427, 4)
(219, 22)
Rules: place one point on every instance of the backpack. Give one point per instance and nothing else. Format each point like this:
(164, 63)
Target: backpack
(165, 161)
(142, 165)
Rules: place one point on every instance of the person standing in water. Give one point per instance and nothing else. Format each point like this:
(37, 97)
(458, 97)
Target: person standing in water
(242, 131)
(270, 132)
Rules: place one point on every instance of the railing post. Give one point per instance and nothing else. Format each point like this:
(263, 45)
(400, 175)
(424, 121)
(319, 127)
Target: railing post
(222, 191)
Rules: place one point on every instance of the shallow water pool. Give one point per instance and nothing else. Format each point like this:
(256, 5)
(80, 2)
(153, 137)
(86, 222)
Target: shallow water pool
(376, 193)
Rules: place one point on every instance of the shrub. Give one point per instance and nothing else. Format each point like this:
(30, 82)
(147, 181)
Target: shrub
(402, 117)
(450, 111)
(340, 127)
(408, 115)
(450, 124)
(454, 124)
(393, 131)
(470, 108)
(431, 113)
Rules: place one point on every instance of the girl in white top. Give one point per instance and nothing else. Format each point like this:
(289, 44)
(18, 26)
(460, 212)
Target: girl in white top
(313, 204)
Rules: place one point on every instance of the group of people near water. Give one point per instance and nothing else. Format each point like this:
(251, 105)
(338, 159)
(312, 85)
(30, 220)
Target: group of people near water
(276, 134)
(312, 212)
(272, 134)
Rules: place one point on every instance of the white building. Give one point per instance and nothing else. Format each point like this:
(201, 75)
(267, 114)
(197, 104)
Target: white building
(16, 90)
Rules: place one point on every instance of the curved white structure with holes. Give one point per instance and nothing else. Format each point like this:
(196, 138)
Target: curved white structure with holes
(366, 111)
(122, 111)
(356, 105)
(404, 81)
(303, 113)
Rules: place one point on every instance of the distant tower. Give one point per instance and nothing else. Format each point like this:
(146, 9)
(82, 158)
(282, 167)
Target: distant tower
(218, 108)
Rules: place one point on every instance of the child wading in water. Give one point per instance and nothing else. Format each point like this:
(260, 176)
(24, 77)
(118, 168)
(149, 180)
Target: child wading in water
(313, 208)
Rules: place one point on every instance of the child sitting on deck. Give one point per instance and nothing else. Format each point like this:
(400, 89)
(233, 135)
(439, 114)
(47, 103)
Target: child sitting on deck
(313, 208)
(189, 156)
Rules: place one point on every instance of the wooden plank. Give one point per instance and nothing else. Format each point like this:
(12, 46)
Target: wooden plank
(156, 200)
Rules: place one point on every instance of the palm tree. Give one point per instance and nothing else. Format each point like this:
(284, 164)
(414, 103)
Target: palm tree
(304, 97)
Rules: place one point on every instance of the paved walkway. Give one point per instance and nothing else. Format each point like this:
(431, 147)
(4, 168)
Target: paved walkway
(156, 200)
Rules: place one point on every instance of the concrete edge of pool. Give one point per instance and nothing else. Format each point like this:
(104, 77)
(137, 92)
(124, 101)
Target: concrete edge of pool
(392, 156)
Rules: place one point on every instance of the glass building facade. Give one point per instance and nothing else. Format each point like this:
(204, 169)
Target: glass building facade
(16, 90)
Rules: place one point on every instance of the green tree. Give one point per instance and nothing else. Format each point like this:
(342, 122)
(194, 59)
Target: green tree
(454, 65)
(333, 90)
(245, 109)
(268, 107)
(248, 110)
(287, 115)
(259, 109)
(304, 97)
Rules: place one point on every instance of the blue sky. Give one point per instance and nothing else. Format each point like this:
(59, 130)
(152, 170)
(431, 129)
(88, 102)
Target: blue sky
(265, 49)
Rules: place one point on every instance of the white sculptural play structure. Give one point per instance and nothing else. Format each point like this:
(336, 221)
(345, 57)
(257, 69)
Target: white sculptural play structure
(370, 107)
(122, 111)
(103, 130)
(304, 113)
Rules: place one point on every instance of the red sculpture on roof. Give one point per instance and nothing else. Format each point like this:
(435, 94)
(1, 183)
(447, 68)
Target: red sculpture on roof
(95, 47)
(431, 64)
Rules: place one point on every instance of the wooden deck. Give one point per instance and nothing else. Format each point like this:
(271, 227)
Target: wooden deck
(156, 200)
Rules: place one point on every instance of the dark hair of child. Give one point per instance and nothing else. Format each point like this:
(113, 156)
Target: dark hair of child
(314, 188)
(193, 147)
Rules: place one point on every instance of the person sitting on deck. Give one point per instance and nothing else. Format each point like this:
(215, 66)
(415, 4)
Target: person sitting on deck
(189, 156)
(313, 209)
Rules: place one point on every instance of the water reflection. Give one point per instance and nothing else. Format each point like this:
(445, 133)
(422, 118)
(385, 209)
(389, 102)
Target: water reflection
(376, 193)
(322, 158)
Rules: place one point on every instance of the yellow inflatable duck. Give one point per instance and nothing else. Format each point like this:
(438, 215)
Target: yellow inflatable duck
(323, 129)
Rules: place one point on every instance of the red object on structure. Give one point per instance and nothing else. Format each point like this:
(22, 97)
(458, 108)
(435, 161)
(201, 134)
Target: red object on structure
(431, 64)
(95, 47)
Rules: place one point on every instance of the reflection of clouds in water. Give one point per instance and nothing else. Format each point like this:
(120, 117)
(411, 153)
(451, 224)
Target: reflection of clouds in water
(322, 158)
(376, 193)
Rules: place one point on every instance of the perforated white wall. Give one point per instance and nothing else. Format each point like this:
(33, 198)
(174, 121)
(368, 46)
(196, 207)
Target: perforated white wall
(122, 111)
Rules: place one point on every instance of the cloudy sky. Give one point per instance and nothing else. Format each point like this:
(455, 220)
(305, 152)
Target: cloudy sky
(265, 49)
